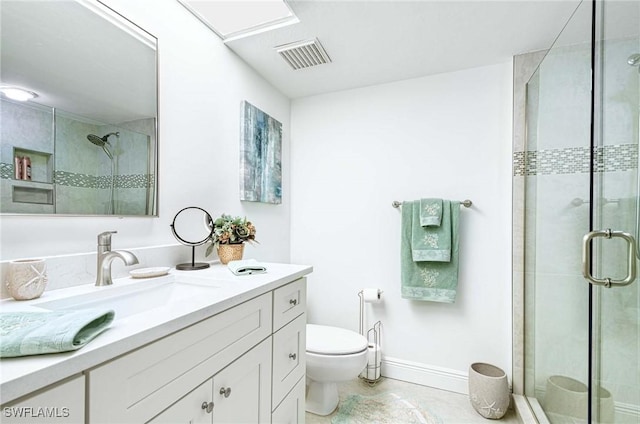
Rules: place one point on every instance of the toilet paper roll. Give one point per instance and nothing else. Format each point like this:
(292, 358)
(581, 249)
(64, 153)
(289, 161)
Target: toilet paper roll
(372, 295)
(374, 362)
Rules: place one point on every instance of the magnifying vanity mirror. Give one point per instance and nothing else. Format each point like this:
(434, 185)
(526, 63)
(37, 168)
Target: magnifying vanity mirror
(87, 143)
(187, 229)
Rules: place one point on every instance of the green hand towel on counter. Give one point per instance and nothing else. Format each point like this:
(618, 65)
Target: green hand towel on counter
(431, 243)
(37, 333)
(423, 280)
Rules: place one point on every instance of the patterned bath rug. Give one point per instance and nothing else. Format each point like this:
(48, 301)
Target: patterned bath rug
(383, 408)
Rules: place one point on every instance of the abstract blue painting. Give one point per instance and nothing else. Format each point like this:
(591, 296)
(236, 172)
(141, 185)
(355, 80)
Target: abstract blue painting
(260, 156)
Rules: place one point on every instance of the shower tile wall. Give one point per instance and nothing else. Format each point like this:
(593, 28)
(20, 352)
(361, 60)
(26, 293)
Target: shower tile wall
(81, 162)
(86, 169)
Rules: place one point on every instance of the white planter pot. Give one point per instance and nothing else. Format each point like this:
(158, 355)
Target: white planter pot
(488, 390)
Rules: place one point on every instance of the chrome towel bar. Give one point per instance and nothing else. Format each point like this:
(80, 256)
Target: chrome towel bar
(466, 203)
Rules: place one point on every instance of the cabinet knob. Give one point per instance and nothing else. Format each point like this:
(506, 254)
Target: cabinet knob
(225, 391)
(293, 302)
(293, 356)
(207, 406)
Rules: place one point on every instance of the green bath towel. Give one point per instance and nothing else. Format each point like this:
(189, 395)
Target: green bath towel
(430, 281)
(431, 243)
(37, 333)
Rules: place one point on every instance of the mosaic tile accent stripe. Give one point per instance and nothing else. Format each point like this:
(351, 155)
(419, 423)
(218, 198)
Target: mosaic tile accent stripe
(72, 179)
(6, 171)
(134, 181)
(575, 160)
(103, 181)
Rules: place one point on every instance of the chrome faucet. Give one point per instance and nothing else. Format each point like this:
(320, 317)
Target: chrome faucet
(106, 257)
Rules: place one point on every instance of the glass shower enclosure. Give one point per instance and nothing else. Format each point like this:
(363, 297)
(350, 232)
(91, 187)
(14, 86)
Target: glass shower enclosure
(582, 220)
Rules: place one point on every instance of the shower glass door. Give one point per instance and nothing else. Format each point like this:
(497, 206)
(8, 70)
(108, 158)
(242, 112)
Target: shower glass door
(615, 333)
(582, 341)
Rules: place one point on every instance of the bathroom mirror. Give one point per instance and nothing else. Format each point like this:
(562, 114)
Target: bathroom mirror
(188, 228)
(90, 134)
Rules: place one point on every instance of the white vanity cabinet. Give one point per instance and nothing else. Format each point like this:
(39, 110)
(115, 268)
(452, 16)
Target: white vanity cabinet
(61, 403)
(243, 365)
(289, 347)
(136, 387)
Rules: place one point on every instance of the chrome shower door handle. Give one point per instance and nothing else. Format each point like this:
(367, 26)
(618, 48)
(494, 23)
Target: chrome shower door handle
(631, 258)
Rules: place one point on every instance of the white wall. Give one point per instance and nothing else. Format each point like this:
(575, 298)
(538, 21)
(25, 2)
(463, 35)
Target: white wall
(201, 86)
(353, 153)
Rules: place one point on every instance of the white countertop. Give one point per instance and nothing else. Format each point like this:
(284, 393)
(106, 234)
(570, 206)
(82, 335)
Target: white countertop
(22, 375)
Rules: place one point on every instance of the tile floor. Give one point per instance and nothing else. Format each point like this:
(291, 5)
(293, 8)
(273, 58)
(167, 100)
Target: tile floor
(397, 402)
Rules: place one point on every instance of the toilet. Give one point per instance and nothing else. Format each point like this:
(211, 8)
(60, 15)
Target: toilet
(333, 355)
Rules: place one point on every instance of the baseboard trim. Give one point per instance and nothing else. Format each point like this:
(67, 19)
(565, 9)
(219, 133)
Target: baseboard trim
(629, 411)
(426, 375)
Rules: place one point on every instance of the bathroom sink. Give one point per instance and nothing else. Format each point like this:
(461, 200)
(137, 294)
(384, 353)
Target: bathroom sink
(131, 299)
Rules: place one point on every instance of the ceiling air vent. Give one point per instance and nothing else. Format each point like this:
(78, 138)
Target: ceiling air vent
(303, 54)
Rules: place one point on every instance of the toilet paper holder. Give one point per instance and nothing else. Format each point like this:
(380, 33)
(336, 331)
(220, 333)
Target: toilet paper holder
(372, 372)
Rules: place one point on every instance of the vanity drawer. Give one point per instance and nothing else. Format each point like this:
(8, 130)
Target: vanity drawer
(138, 385)
(288, 302)
(292, 408)
(289, 359)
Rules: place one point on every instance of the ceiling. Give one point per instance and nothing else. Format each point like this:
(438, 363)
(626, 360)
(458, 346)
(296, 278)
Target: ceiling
(369, 42)
(375, 42)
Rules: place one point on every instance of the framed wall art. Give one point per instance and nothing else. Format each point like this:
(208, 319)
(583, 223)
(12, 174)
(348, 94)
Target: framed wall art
(260, 156)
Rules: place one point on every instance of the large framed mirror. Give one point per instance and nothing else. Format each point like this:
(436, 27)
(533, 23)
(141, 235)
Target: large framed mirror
(87, 144)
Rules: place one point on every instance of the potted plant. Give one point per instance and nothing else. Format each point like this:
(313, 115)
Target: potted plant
(229, 235)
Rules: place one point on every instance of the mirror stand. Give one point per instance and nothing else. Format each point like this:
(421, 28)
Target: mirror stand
(193, 265)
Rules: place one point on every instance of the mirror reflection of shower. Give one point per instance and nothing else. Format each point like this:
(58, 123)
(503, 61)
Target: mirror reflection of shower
(104, 142)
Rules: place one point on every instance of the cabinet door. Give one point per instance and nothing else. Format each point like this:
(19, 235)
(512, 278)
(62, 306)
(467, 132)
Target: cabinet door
(241, 390)
(194, 408)
(291, 410)
(289, 360)
(61, 403)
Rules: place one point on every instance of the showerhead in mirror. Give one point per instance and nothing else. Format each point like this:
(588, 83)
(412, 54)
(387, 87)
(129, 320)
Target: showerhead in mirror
(103, 141)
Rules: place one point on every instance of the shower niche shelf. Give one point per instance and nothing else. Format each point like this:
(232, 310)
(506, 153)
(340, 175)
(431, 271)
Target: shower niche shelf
(32, 192)
(41, 165)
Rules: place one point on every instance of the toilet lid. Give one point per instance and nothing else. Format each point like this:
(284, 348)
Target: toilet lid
(334, 340)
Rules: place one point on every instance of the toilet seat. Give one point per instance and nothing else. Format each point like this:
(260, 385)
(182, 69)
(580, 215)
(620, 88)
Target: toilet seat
(326, 340)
